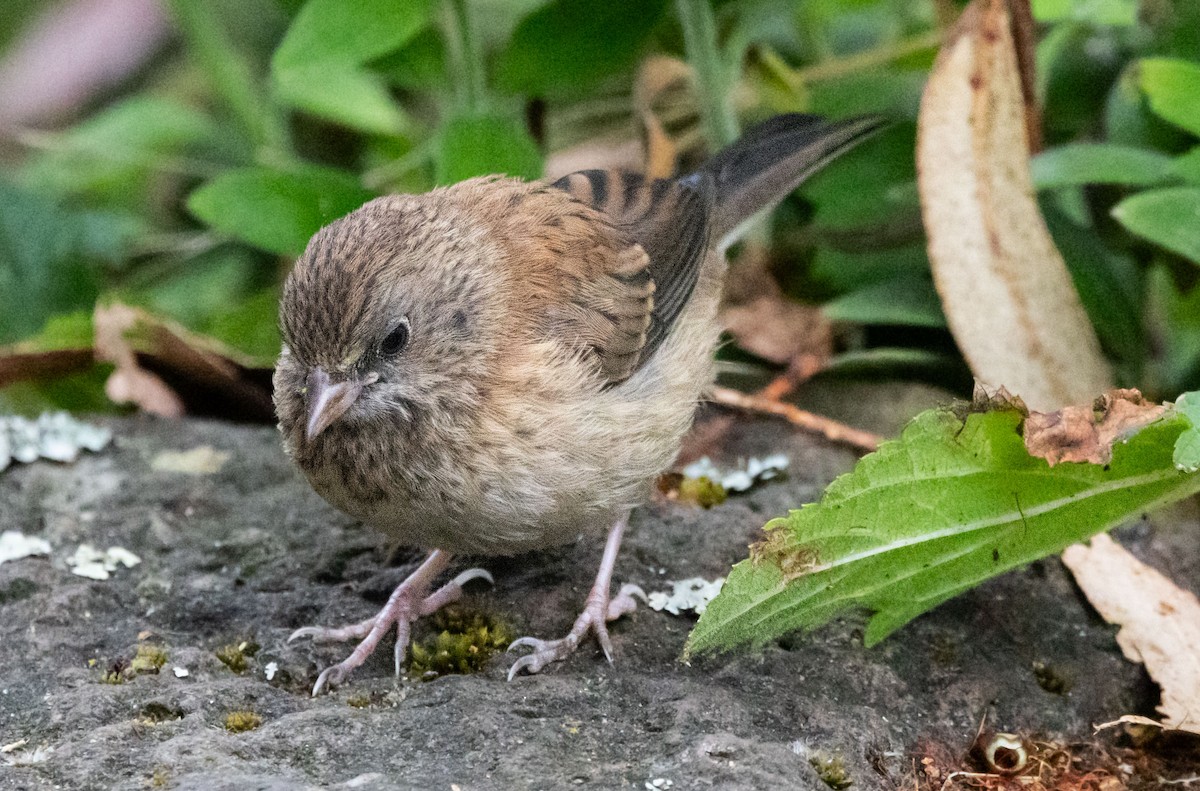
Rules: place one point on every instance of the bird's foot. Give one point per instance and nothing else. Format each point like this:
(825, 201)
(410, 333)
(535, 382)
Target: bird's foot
(410, 600)
(598, 610)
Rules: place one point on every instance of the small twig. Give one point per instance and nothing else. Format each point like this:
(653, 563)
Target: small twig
(829, 428)
(800, 369)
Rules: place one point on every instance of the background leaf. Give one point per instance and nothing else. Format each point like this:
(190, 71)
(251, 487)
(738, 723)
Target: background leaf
(480, 145)
(275, 210)
(1168, 217)
(1173, 88)
(568, 46)
(1099, 163)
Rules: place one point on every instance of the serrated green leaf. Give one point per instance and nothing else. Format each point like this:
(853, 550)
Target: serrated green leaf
(1168, 217)
(480, 145)
(906, 301)
(275, 210)
(1077, 164)
(928, 516)
(1187, 447)
(569, 46)
(1173, 87)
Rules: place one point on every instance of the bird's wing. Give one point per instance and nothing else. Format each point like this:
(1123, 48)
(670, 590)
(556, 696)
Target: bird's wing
(626, 310)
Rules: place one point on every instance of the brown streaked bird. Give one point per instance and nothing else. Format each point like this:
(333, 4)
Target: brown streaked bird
(499, 365)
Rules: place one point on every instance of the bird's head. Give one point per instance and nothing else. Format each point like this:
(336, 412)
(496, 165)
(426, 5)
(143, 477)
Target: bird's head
(386, 318)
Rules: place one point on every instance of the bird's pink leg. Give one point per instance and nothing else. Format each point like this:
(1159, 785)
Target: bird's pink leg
(410, 600)
(597, 611)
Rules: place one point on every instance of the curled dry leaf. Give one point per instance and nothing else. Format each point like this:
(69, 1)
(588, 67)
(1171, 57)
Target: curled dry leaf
(762, 319)
(1160, 623)
(1005, 289)
(130, 383)
(1087, 433)
(167, 370)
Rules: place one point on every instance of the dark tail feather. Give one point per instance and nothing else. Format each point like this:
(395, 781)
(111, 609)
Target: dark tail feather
(772, 158)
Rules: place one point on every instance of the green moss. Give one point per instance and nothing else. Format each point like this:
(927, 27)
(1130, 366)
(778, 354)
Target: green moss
(358, 701)
(148, 659)
(703, 491)
(242, 721)
(831, 769)
(18, 589)
(463, 644)
(1052, 679)
(236, 656)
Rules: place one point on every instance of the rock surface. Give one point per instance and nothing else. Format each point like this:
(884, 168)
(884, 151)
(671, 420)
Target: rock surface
(248, 553)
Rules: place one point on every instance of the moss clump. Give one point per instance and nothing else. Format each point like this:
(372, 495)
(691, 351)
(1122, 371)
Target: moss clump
(155, 712)
(358, 701)
(464, 643)
(148, 659)
(236, 656)
(832, 770)
(242, 721)
(1052, 679)
(703, 491)
(117, 673)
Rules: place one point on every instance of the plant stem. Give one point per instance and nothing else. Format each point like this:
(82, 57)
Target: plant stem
(231, 74)
(712, 83)
(464, 54)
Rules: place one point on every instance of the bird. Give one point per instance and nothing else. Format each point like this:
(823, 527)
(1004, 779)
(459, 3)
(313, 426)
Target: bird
(500, 365)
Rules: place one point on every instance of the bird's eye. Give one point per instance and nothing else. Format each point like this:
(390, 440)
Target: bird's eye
(396, 340)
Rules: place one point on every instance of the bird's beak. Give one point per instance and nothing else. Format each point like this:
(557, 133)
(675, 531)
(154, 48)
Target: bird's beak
(328, 400)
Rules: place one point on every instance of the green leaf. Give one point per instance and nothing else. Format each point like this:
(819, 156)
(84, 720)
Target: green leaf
(1108, 283)
(1122, 13)
(319, 65)
(275, 210)
(1168, 217)
(480, 145)
(1076, 164)
(48, 258)
(907, 301)
(571, 46)
(1173, 88)
(1187, 447)
(352, 97)
(349, 31)
(1187, 166)
(108, 155)
(928, 516)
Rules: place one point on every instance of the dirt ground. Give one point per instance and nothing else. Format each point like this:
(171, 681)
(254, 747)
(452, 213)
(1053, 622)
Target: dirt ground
(248, 553)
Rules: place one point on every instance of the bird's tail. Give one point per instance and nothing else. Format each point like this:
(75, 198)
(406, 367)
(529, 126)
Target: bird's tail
(771, 159)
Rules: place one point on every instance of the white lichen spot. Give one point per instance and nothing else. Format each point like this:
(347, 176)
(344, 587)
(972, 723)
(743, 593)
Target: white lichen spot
(90, 562)
(53, 435)
(747, 474)
(15, 545)
(180, 672)
(270, 670)
(691, 594)
(203, 460)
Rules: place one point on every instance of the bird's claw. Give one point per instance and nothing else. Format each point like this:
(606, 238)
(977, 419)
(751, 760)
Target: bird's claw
(407, 603)
(599, 610)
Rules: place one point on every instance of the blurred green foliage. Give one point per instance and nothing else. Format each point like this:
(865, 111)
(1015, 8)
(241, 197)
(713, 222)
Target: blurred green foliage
(189, 190)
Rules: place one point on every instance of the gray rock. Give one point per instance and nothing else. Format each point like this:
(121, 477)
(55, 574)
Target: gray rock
(250, 553)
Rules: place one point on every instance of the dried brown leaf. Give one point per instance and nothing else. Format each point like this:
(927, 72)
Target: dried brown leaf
(167, 370)
(764, 321)
(1005, 289)
(1160, 622)
(1087, 433)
